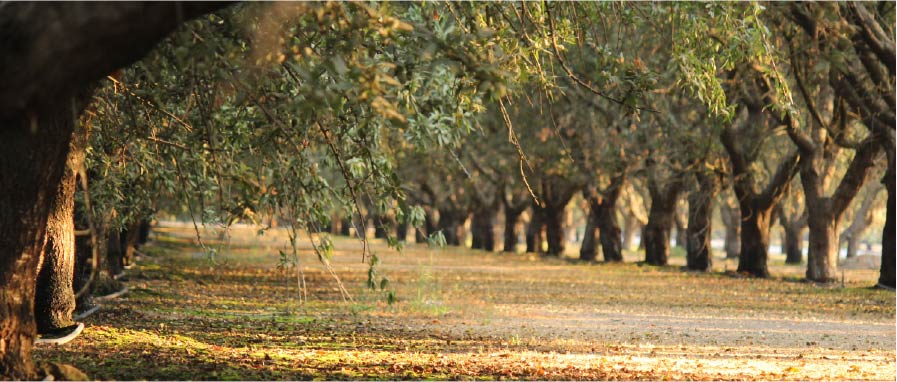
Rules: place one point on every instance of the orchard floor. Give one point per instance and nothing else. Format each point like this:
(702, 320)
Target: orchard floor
(463, 314)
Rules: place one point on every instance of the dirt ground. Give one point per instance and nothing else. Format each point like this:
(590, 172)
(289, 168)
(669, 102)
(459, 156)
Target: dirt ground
(463, 314)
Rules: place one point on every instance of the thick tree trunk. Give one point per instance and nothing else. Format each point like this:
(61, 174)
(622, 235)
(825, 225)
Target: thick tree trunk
(657, 242)
(402, 231)
(792, 241)
(381, 228)
(554, 231)
(145, 228)
(699, 254)
(588, 251)
(822, 266)
(114, 253)
(450, 222)
(482, 229)
(755, 222)
(129, 239)
(37, 117)
(54, 297)
(610, 234)
(512, 216)
(32, 163)
(345, 227)
(660, 222)
(535, 231)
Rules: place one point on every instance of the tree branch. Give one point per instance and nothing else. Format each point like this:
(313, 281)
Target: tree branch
(856, 175)
(53, 50)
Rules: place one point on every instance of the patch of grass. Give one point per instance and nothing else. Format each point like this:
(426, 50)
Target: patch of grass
(469, 315)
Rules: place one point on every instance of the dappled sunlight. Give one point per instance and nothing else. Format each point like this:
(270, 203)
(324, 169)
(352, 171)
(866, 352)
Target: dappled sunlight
(465, 314)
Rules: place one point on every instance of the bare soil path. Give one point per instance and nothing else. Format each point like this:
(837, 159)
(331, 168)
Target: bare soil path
(465, 314)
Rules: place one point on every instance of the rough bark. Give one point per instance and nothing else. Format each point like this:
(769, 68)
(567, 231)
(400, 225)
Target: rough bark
(55, 297)
(755, 239)
(699, 255)
(792, 240)
(554, 230)
(588, 251)
(554, 196)
(603, 214)
(32, 162)
(824, 212)
(661, 219)
(36, 121)
(610, 234)
(756, 204)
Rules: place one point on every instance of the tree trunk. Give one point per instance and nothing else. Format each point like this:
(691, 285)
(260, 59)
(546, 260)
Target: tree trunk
(345, 226)
(609, 232)
(554, 230)
(792, 240)
(699, 255)
(450, 222)
(755, 222)
(382, 225)
(481, 228)
(145, 227)
(54, 299)
(402, 231)
(32, 163)
(512, 216)
(661, 219)
(534, 231)
(129, 239)
(114, 253)
(588, 251)
(37, 116)
(822, 266)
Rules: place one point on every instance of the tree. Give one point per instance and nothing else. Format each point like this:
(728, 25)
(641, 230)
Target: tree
(37, 109)
(828, 122)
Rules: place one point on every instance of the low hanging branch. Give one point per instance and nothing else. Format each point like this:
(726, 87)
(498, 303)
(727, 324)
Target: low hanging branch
(573, 76)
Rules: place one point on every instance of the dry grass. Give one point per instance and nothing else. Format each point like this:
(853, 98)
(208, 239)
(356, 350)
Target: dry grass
(465, 314)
